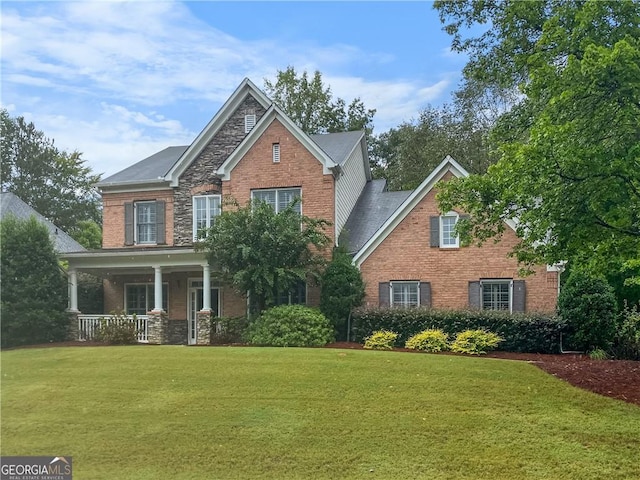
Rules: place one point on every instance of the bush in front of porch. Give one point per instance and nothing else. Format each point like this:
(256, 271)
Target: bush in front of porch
(291, 326)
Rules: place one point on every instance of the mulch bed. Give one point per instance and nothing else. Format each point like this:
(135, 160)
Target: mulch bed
(612, 378)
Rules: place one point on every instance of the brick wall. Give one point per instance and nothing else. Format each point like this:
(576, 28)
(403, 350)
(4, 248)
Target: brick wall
(406, 255)
(113, 215)
(297, 168)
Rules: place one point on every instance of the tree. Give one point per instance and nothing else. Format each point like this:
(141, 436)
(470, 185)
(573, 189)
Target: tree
(263, 252)
(407, 154)
(311, 106)
(569, 167)
(342, 291)
(34, 287)
(55, 183)
(88, 234)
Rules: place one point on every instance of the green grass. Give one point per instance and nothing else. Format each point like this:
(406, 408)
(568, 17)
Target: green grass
(155, 412)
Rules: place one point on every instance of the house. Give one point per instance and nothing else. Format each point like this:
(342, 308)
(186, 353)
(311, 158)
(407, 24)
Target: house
(11, 204)
(405, 248)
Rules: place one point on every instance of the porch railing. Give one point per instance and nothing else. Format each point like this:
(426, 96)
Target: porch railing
(88, 326)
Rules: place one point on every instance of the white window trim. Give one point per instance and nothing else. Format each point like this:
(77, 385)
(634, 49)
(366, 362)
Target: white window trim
(146, 284)
(249, 122)
(403, 282)
(275, 152)
(457, 238)
(276, 190)
(193, 211)
(197, 282)
(136, 239)
(494, 281)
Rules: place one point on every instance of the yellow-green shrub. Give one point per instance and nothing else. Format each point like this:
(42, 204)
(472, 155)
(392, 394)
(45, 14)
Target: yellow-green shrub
(475, 342)
(430, 340)
(381, 340)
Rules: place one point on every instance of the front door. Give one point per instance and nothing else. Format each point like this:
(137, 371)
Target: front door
(196, 303)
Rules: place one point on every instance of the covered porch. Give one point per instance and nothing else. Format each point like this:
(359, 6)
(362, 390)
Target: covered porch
(171, 292)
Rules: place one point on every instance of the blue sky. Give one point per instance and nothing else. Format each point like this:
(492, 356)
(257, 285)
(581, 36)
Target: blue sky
(120, 81)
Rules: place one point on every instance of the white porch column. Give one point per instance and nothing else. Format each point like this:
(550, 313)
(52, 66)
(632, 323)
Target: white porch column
(73, 291)
(206, 288)
(157, 307)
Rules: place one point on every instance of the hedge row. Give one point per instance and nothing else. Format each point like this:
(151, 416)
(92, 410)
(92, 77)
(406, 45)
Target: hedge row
(522, 332)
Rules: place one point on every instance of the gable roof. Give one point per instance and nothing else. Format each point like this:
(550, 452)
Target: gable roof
(275, 113)
(152, 169)
(407, 205)
(206, 135)
(11, 204)
(164, 168)
(372, 209)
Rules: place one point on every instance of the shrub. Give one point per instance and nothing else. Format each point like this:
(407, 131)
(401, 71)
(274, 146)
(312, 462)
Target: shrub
(118, 330)
(381, 340)
(342, 291)
(228, 330)
(627, 340)
(34, 288)
(291, 326)
(522, 332)
(475, 342)
(428, 341)
(598, 354)
(588, 305)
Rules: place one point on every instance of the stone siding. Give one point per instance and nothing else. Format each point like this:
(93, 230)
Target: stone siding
(177, 332)
(199, 178)
(158, 328)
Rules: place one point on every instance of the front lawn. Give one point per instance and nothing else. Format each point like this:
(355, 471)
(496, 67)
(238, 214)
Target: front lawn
(152, 412)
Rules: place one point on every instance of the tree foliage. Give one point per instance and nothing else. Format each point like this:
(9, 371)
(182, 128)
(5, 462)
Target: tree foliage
(588, 305)
(407, 154)
(34, 287)
(569, 167)
(263, 252)
(342, 291)
(57, 184)
(312, 107)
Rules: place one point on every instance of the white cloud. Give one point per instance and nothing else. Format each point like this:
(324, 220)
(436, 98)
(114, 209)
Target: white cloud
(122, 80)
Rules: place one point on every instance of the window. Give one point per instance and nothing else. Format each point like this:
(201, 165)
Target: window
(448, 237)
(405, 294)
(205, 209)
(249, 122)
(278, 198)
(139, 298)
(145, 222)
(296, 296)
(276, 152)
(496, 294)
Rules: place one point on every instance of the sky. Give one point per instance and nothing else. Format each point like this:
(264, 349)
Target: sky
(119, 81)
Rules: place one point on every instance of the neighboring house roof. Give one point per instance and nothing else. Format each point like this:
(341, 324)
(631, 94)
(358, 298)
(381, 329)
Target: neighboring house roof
(151, 169)
(406, 206)
(11, 204)
(373, 208)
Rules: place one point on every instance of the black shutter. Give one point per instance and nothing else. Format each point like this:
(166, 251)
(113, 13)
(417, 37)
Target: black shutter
(518, 303)
(160, 223)
(434, 228)
(425, 294)
(383, 294)
(128, 223)
(475, 295)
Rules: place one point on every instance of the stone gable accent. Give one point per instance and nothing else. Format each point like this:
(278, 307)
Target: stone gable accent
(199, 176)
